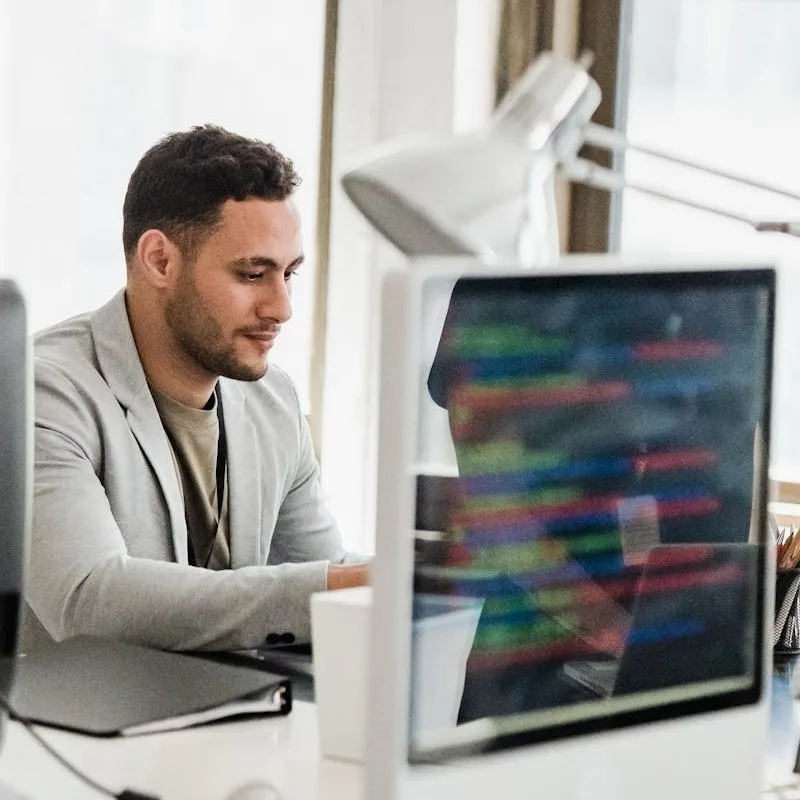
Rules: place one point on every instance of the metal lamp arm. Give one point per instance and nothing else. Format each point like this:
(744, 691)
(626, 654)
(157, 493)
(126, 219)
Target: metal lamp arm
(584, 171)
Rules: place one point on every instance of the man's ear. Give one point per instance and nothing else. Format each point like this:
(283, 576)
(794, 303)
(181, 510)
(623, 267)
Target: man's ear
(158, 257)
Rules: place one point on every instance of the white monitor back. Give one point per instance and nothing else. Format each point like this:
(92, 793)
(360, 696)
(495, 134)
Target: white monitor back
(711, 746)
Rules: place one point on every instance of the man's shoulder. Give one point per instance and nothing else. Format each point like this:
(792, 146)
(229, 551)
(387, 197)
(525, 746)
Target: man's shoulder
(70, 391)
(273, 394)
(66, 347)
(68, 367)
(74, 341)
(277, 381)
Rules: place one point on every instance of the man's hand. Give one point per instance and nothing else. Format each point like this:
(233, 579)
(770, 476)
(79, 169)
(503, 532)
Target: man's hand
(346, 577)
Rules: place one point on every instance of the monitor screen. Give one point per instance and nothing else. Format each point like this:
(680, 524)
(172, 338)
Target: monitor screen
(594, 558)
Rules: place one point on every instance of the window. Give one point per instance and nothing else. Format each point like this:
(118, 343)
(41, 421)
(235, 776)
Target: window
(91, 84)
(719, 81)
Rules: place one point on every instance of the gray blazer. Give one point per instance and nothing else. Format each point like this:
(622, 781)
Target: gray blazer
(109, 546)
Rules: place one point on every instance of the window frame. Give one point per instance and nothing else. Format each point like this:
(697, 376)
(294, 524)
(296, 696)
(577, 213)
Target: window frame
(604, 30)
(589, 218)
(323, 230)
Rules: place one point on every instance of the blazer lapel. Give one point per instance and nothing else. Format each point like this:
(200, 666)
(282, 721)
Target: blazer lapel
(244, 479)
(120, 365)
(149, 432)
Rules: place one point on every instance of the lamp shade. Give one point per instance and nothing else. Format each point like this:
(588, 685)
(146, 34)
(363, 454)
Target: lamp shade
(445, 196)
(480, 194)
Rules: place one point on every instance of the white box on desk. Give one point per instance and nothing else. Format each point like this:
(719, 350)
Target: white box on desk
(443, 632)
(340, 640)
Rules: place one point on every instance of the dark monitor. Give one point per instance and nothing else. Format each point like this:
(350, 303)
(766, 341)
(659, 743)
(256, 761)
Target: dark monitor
(604, 429)
(14, 474)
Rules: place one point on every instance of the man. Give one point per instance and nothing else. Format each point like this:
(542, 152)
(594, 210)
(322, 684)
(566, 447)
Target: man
(176, 494)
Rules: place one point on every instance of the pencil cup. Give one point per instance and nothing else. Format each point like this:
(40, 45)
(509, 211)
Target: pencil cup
(786, 631)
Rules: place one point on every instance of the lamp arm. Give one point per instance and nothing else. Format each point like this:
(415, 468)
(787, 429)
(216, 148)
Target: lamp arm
(610, 139)
(582, 170)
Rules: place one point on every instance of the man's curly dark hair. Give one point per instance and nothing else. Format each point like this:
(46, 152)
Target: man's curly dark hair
(181, 183)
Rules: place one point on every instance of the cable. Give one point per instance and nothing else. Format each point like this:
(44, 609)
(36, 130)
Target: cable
(256, 788)
(126, 794)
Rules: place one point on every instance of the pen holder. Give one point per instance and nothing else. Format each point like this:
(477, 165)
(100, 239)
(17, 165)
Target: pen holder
(786, 630)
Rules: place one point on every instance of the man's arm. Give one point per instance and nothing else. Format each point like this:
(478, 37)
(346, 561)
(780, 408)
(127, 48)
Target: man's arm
(347, 577)
(82, 580)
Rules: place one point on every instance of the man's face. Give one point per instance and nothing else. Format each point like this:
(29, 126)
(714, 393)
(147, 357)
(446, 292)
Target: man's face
(227, 307)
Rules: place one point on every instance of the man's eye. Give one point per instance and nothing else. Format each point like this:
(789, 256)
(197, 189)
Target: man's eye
(287, 276)
(251, 276)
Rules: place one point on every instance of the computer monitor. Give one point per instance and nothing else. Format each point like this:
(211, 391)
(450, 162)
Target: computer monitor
(14, 474)
(594, 554)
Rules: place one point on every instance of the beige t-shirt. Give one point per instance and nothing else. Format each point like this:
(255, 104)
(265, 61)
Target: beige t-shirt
(194, 438)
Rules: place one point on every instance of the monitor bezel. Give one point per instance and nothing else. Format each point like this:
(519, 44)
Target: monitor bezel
(17, 431)
(582, 271)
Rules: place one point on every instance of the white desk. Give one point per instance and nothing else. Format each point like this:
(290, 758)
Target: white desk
(209, 763)
(200, 764)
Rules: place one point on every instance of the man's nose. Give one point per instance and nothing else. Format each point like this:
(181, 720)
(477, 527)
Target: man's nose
(276, 300)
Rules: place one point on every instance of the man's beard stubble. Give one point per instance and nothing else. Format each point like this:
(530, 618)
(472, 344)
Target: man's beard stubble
(201, 337)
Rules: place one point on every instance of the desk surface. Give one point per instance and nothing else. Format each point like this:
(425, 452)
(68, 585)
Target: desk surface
(209, 763)
(202, 763)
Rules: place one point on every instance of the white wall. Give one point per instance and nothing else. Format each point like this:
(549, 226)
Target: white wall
(87, 86)
(403, 67)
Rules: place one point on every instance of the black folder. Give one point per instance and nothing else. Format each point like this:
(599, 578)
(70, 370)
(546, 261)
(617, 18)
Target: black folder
(107, 688)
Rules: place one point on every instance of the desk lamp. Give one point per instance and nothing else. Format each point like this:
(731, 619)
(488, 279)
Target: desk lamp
(488, 197)
(490, 193)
